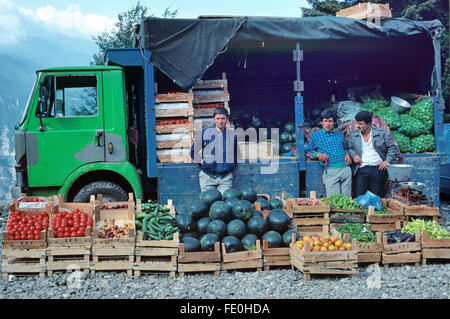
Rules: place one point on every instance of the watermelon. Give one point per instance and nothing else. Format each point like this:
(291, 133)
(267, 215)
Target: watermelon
(232, 201)
(286, 148)
(236, 228)
(220, 210)
(193, 234)
(207, 242)
(249, 242)
(217, 227)
(191, 244)
(231, 193)
(289, 127)
(257, 213)
(249, 195)
(257, 225)
(210, 196)
(243, 210)
(286, 137)
(278, 220)
(232, 244)
(273, 238)
(264, 203)
(287, 236)
(275, 203)
(181, 210)
(197, 209)
(185, 223)
(202, 224)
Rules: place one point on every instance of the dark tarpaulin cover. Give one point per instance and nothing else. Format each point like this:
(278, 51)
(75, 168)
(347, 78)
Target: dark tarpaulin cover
(184, 49)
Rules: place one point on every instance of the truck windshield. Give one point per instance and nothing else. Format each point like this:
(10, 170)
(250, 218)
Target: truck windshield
(27, 107)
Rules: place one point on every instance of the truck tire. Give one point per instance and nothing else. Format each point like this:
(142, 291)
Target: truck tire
(110, 191)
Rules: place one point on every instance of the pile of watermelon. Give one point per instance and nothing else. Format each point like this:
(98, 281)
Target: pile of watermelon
(232, 220)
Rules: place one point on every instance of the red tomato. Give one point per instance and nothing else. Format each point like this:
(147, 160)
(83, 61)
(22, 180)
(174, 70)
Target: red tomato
(80, 234)
(11, 237)
(30, 237)
(43, 214)
(73, 234)
(66, 234)
(37, 237)
(37, 232)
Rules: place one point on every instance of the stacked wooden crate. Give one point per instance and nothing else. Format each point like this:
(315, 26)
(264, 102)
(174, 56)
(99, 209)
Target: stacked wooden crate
(420, 212)
(156, 256)
(309, 219)
(366, 10)
(433, 248)
(386, 222)
(25, 256)
(174, 114)
(323, 263)
(209, 95)
(115, 254)
(203, 261)
(243, 260)
(369, 253)
(72, 253)
(275, 257)
(402, 253)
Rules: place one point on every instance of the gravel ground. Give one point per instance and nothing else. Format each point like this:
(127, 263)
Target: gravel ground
(404, 282)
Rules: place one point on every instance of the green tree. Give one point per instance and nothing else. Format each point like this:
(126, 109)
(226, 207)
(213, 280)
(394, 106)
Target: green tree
(122, 34)
(323, 8)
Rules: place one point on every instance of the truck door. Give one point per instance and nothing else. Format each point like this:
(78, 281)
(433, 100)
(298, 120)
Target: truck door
(67, 129)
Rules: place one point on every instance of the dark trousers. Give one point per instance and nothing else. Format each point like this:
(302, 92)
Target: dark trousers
(370, 178)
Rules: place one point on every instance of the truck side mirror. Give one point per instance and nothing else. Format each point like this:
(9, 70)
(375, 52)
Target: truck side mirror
(43, 98)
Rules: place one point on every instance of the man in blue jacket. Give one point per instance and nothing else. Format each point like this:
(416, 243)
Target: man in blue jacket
(216, 149)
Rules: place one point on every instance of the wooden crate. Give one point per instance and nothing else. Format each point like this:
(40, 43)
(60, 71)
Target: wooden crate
(202, 261)
(113, 254)
(27, 244)
(156, 256)
(308, 216)
(21, 202)
(68, 258)
(77, 242)
(433, 248)
(175, 128)
(401, 253)
(208, 112)
(179, 140)
(347, 215)
(241, 260)
(221, 84)
(382, 223)
(313, 230)
(174, 105)
(275, 257)
(23, 262)
(323, 263)
(112, 259)
(366, 10)
(369, 252)
(127, 206)
(420, 212)
(174, 155)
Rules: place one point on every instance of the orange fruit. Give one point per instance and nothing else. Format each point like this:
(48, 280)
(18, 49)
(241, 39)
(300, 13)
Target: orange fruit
(348, 246)
(326, 244)
(316, 248)
(323, 249)
(339, 243)
(332, 248)
(341, 248)
(306, 238)
(334, 238)
(317, 243)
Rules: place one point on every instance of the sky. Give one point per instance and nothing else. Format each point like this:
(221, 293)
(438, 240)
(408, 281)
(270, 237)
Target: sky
(87, 18)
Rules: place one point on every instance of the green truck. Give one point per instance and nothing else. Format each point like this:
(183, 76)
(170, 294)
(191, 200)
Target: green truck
(91, 130)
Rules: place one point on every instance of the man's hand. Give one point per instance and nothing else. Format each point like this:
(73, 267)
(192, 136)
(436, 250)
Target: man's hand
(201, 162)
(322, 157)
(357, 159)
(348, 159)
(383, 165)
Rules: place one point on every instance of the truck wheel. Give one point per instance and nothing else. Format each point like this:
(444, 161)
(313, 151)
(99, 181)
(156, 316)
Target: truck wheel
(111, 192)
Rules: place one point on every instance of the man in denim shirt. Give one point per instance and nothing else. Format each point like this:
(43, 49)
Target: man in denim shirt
(330, 147)
(216, 149)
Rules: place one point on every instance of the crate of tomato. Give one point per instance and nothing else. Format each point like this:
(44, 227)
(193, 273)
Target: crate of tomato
(26, 228)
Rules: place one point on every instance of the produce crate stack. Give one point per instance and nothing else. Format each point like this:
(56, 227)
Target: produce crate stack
(433, 248)
(113, 237)
(366, 10)
(203, 261)
(156, 256)
(34, 202)
(420, 212)
(174, 114)
(336, 262)
(310, 215)
(25, 254)
(65, 252)
(209, 95)
(243, 260)
(277, 257)
(401, 253)
(384, 220)
(369, 253)
(344, 209)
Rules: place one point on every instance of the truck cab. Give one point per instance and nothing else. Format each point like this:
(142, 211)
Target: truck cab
(74, 135)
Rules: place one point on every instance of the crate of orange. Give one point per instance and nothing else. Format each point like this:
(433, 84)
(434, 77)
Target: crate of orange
(324, 255)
